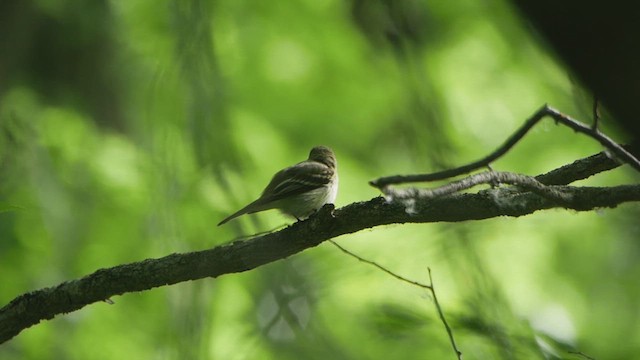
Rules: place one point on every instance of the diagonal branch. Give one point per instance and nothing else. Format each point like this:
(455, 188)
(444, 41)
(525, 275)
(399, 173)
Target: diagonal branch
(619, 151)
(31, 308)
(579, 169)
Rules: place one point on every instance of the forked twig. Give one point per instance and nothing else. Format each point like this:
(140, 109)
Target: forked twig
(429, 287)
(546, 110)
(373, 263)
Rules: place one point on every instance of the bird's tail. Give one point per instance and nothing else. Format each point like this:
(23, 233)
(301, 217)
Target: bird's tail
(255, 206)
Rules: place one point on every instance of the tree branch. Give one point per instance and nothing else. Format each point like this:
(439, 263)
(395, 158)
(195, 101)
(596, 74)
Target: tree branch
(616, 149)
(579, 169)
(31, 308)
(553, 193)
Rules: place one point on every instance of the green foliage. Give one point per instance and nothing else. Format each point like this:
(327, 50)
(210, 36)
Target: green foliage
(130, 128)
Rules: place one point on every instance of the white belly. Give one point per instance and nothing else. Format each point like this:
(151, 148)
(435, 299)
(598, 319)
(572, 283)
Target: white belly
(306, 204)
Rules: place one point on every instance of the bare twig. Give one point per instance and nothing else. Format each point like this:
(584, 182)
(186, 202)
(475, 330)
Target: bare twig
(582, 355)
(546, 110)
(373, 263)
(441, 314)
(553, 193)
(603, 139)
(429, 287)
(578, 170)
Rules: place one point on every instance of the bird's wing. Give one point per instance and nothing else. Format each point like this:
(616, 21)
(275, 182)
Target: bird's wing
(292, 181)
(297, 179)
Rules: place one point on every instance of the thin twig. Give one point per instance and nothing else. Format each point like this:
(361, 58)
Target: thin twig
(603, 139)
(581, 354)
(372, 263)
(262, 233)
(546, 110)
(411, 282)
(441, 314)
(465, 169)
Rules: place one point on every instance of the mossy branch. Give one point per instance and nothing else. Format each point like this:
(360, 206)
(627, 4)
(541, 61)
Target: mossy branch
(29, 309)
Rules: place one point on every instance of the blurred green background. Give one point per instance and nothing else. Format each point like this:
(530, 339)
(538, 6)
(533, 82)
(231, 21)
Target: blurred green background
(128, 129)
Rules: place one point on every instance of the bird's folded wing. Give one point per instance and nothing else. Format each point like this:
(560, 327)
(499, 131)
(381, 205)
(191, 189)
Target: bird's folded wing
(297, 179)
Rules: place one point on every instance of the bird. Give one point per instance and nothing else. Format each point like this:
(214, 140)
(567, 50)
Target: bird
(299, 190)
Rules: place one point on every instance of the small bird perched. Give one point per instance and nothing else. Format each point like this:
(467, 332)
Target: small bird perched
(301, 189)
